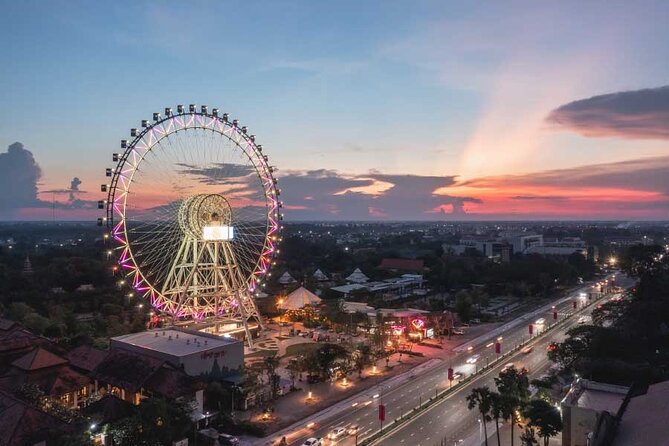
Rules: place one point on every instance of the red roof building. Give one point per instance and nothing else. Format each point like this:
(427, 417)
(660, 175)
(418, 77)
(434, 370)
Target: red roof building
(51, 373)
(393, 264)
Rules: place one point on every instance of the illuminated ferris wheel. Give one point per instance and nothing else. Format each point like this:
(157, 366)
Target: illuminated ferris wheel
(193, 206)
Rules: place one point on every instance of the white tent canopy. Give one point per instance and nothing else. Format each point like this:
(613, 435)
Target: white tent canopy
(357, 277)
(299, 299)
(320, 276)
(286, 278)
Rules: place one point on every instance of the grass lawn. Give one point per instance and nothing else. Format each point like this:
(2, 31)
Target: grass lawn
(301, 349)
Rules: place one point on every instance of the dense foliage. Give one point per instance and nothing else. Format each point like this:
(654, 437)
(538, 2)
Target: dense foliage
(629, 339)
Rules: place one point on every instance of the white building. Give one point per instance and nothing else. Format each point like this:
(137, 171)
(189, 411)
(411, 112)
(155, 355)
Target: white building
(357, 277)
(195, 352)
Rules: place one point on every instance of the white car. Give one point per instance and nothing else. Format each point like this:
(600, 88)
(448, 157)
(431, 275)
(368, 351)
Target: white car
(313, 442)
(507, 366)
(336, 433)
(473, 358)
(540, 321)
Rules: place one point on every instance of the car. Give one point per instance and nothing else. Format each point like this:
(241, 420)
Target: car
(472, 359)
(526, 350)
(540, 321)
(353, 429)
(457, 376)
(337, 432)
(552, 346)
(582, 320)
(313, 442)
(457, 332)
(508, 366)
(226, 439)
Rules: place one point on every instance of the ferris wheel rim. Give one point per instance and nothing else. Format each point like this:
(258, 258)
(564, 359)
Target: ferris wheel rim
(122, 179)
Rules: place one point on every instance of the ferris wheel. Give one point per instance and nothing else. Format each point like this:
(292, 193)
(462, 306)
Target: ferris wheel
(193, 207)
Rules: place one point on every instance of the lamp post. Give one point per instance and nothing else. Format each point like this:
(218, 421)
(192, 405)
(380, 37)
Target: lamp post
(279, 306)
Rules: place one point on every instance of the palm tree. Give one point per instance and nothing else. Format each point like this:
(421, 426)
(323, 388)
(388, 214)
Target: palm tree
(514, 386)
(527, 437)
(545, 417)
(481, 398)
(497, 411)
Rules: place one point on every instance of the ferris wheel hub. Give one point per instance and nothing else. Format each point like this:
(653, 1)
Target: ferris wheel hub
(206, 217)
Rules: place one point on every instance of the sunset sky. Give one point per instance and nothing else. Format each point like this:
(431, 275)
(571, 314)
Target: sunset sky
(396, 110)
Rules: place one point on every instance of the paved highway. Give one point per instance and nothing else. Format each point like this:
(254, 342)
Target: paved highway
(441, 420)
(451, 422)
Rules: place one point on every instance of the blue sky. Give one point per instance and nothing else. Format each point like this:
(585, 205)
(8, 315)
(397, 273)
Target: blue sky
(451, 89)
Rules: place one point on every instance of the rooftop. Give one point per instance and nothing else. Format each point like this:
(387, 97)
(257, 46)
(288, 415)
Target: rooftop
(37, 359)
(596, 396)
(645, 419)
(174, 342)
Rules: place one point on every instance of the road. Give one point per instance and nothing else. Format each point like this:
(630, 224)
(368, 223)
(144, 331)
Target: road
(439, 421)
(451, 422)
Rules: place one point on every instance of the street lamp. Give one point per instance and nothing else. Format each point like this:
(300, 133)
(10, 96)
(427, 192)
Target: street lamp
(280, 307)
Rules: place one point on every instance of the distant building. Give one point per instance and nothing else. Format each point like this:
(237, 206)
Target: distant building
(389, 289)
(557, 250)
(286, 279)
(357, 277)
(320, 276)
(522, 242)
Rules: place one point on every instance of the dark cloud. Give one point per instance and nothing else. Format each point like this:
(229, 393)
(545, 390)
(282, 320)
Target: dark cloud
(645, 174)
(327, 194)
(218, 173)
(639, 114)
(19, 173)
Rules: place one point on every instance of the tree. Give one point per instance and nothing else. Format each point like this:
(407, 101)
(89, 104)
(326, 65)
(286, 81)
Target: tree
(497, 411)
(361, 357)
(513, 386)
(481, 398)
(545, 417)
(463, 305)
(609, 312)
(293, 368)
(270, 364)
(323, 359)
(527, 438)
(572, 349)
(156, 422)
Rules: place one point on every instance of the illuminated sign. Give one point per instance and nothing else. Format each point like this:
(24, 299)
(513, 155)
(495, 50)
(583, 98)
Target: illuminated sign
(398, 329)
(418, 324)
(218, 232)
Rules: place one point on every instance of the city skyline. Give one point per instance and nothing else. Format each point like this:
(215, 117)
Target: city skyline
(379, 111)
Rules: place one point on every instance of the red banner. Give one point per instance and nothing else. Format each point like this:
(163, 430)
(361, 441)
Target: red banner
(498, 348)
(450, 374)
(382, 412)
(530, 329)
